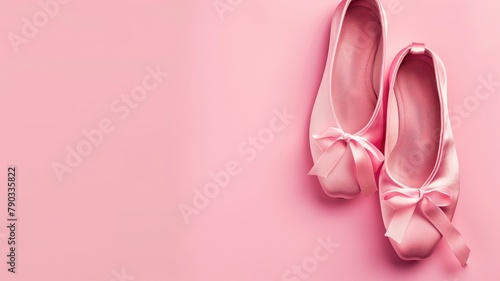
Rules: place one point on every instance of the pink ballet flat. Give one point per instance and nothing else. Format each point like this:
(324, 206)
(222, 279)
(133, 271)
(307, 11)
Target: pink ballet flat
(419, 181)
(347, 126)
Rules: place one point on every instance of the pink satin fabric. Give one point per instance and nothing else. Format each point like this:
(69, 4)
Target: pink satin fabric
(345, 164)
(430, 200)
(367, 158)
(416, 218)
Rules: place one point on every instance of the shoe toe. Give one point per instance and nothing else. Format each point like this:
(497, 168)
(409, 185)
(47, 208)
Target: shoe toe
(419, 241)
(341, 182)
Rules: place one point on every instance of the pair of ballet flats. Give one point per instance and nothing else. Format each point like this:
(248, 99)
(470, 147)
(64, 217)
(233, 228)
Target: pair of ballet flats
(395, 137)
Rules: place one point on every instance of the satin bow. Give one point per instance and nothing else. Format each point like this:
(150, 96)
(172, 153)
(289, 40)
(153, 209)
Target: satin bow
(366, 156)
(405, 200)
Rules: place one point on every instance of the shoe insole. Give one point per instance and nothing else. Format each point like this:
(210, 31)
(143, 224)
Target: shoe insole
(353, 95)
(415, 152)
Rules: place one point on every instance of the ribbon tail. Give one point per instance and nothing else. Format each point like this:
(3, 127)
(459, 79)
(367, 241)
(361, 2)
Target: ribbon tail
(377, 158)
(443, 224)
(364, 169)
(399, 223)
(327, 161)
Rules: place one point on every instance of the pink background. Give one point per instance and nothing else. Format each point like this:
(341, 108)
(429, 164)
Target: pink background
(118, 210)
